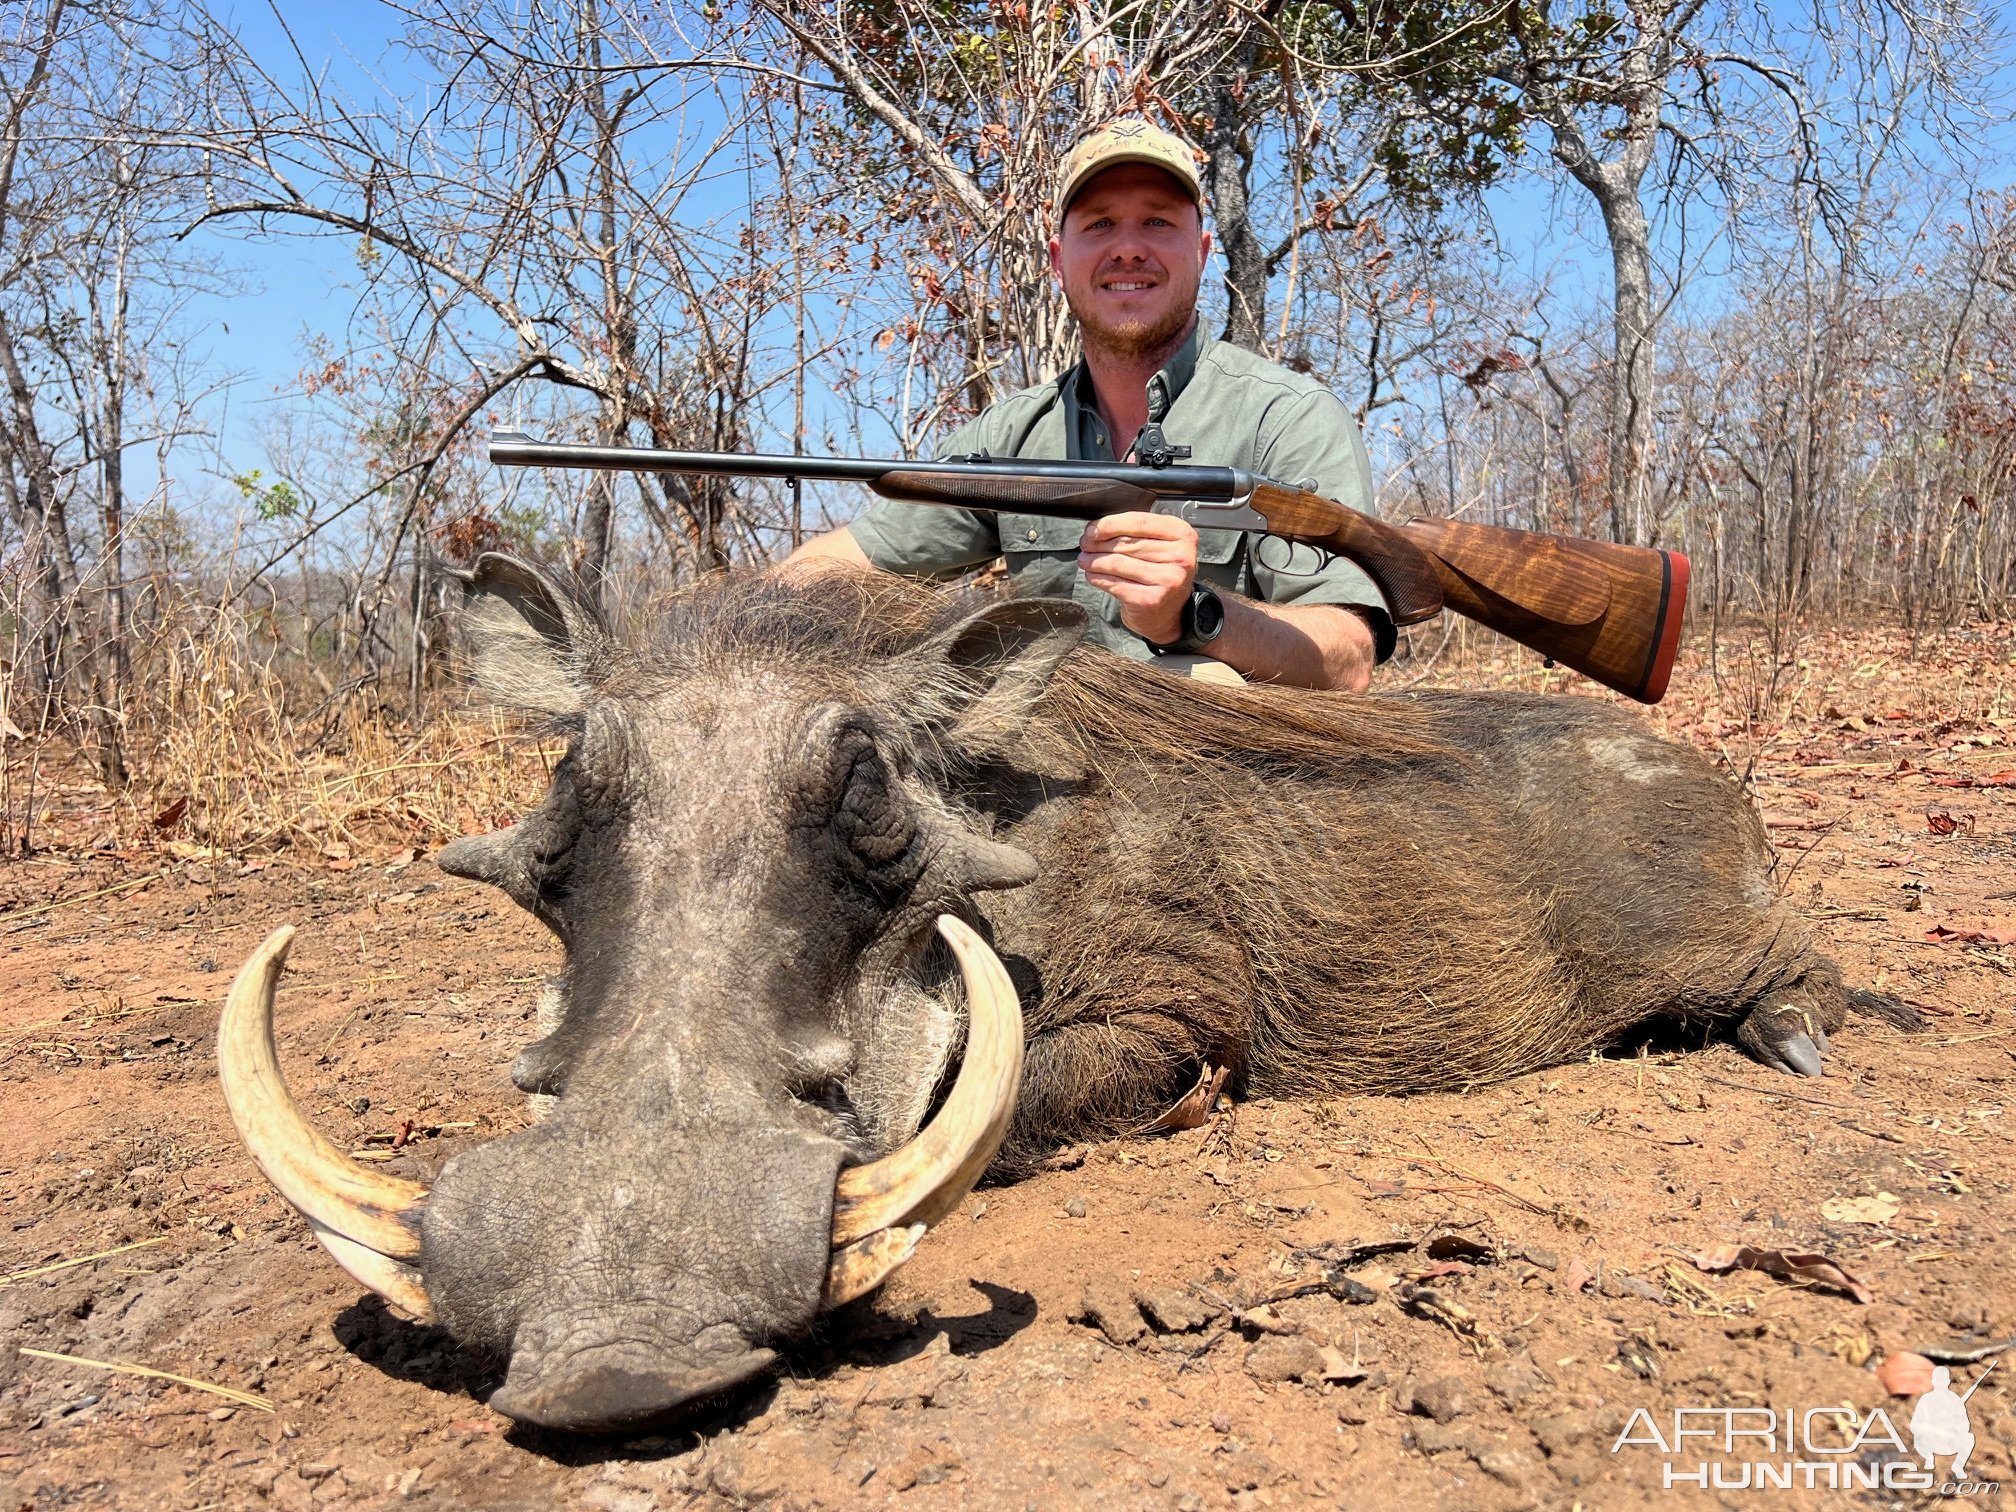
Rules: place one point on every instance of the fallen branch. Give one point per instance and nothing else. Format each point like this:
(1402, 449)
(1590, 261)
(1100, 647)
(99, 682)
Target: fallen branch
(1966, 1354)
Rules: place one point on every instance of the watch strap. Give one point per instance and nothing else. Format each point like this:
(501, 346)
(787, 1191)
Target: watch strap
(1189, 642)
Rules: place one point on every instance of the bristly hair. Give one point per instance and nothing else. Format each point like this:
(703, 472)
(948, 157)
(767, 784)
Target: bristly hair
(1097, 703)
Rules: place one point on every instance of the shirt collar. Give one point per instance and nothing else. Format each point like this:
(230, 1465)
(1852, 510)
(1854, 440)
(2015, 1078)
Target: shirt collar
(1166, 386)
(1163, 389)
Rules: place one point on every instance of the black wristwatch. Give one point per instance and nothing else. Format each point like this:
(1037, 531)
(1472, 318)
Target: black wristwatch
(1203, 620)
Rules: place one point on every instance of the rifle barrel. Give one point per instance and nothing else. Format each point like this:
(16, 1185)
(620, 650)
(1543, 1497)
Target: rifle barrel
(1177, 481)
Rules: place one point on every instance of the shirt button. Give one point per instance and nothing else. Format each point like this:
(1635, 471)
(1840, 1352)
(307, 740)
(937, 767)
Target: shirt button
(1032, 535)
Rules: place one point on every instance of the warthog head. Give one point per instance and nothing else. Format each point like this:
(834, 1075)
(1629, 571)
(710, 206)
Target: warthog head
(756, 857)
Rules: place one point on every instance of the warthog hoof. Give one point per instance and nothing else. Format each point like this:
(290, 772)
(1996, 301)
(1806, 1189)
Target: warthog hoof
(1785, 1036)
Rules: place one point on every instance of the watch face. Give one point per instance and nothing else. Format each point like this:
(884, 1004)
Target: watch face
(1207, 614)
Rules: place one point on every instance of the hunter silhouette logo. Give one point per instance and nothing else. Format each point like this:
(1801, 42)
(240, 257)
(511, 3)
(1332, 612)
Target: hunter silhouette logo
(1939, 1422)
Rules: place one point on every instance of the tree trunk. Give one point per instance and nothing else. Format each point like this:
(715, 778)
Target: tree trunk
(107, 717)
(1614, 182)
(1631, 375)
(1230, 142)
(39, 506)
(598, 530)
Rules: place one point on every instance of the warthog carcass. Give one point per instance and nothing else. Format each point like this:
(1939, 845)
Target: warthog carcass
(769, 824)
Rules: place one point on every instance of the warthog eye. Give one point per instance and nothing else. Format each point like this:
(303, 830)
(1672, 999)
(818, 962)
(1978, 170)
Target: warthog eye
(551, 835)
(552, 855)
(875, 827)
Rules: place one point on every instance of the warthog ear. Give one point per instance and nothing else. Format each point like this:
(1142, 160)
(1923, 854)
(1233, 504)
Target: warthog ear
(983, 676)
(531, 644)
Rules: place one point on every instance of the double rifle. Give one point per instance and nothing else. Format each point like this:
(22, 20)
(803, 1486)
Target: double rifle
(1611, 612)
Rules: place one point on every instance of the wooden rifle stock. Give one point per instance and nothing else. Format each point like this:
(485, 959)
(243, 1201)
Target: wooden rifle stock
(1611, 612)
(1402, 570)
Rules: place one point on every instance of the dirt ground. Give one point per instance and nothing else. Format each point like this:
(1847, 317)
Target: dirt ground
(1447, 1302)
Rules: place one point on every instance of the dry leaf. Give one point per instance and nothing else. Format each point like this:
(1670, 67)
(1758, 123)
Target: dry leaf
(1337, 1368)
(1801, 1268)
(1576, 1276)
(1193, 1109)
(1460, 1247)
(1905, 1374)
(1443, 1268)
(1264, 1320)
(171, 816)
(1940, 934)
(1425, 1302)
(1878, 1209)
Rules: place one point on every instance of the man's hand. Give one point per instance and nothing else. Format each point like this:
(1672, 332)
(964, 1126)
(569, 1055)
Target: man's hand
(1147, 562)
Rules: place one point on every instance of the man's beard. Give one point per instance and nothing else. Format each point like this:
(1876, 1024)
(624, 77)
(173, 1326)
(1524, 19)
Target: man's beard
(1134, 340)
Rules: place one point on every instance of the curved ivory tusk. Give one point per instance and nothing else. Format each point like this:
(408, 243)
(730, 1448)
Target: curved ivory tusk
(932, 1174)
(396, 1282)
(370, 1210)
(866, 1263)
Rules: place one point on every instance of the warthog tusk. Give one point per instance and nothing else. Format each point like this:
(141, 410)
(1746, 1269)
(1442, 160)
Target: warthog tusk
(932, 1174)
(863, 1265)
(394, 1280)
(365, 1219)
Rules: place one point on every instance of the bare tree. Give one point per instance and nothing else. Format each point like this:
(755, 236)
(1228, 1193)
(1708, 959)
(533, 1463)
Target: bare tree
(91, 290)
(530, 223)
(1670, 106)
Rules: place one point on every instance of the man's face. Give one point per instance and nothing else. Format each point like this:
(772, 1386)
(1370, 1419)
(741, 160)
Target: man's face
(1129, 256)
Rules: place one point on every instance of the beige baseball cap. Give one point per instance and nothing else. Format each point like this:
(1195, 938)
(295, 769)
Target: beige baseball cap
(1128, 140)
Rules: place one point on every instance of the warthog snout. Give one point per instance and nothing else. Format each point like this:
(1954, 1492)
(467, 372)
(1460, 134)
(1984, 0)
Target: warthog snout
(619, 1294)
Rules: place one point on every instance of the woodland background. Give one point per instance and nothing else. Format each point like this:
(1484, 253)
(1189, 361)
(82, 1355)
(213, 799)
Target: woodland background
(1783, 342)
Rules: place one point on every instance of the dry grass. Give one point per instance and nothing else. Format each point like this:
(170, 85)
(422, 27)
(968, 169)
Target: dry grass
(1753, 683)
(255, 779)
(230, 755)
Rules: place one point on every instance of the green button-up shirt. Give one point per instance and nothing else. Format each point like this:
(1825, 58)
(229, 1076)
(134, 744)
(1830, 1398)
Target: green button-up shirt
(1231, 408)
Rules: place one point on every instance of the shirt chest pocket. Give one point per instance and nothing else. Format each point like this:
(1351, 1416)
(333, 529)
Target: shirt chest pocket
(1026, 534)
(1023, 535)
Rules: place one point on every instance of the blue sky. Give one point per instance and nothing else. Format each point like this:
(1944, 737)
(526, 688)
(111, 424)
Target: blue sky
(287, 286)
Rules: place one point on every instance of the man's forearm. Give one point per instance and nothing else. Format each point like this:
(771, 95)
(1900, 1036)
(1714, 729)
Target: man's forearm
(1302, 646)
